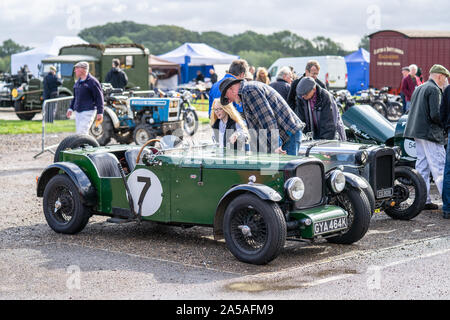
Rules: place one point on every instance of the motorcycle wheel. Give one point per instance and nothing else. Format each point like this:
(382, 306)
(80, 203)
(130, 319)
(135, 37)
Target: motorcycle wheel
(380, 107)
(410, 186)
(395, 111)
(190, 122)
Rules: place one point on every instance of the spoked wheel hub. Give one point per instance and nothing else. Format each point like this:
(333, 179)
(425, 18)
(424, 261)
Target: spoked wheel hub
(248, 229)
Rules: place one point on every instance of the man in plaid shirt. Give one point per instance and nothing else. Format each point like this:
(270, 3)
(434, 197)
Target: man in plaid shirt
(267, 112)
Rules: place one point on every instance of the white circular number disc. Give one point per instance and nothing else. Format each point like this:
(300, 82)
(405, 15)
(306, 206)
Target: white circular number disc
(145, 186)
(410, 147)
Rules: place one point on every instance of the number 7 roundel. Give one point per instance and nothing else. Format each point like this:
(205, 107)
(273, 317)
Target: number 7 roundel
(146, 190)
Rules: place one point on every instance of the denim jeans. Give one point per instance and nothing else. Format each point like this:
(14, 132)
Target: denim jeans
(446, 183)
(292, 146)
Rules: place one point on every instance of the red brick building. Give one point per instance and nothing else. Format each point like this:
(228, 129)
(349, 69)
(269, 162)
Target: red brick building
(390, 50)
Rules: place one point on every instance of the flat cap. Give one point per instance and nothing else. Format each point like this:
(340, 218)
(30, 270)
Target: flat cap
(304, 86)
(82, 64)
(224, 86)
(437, 68)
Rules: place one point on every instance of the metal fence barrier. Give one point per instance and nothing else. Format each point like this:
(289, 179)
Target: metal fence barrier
(53, 109)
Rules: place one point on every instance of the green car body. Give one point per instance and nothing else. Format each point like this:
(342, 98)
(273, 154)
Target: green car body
(198, 186)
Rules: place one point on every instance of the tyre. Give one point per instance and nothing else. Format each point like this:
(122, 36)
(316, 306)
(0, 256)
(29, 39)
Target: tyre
(73, 142)
(395, 111)
(370, 197)
(104, 131)
(123, 137)
(190, 122)
(380, 107)
(63, 207)
(142, 133)
(254, 229)
(21, 112)
(355, 202)
(410, 194)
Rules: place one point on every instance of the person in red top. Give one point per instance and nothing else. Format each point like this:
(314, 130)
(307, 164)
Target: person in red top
(408, 86)
(413, 73)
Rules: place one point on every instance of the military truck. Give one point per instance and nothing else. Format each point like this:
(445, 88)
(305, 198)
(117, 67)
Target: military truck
(28, 98)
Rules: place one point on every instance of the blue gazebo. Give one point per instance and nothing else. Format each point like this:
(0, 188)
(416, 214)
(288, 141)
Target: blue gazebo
(358, 70)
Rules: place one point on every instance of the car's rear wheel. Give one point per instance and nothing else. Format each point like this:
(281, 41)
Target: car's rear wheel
(63, 208)
(73, 142)
(254, 229)
(410, 192)
(355, 202)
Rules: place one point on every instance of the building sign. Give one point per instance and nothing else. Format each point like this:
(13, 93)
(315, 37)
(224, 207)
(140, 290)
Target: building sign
(388, 56)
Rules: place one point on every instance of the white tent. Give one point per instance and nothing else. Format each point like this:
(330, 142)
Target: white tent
(34, 56)
(199, 54)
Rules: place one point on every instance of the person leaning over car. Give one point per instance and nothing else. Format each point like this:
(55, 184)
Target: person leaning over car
(313, 107)
(87, 99)
(266, 112)
(238, 70)
(312, 70)
(424, 125)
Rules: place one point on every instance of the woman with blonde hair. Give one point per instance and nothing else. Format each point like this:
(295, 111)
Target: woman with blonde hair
(262, 75)
(228, 125)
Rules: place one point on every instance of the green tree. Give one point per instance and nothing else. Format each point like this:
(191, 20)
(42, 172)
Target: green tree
(364, 43)
(114, 39)
(10, 47)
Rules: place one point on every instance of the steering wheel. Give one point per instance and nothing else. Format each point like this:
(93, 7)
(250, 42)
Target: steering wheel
(143, 146)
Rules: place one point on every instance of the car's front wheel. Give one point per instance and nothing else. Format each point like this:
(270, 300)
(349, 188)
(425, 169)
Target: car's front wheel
(63, 207)
(254, 229)
(355, 202)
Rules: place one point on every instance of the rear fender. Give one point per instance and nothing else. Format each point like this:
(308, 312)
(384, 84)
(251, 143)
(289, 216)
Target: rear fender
(262, 191)
(79, 178)
(113, 116)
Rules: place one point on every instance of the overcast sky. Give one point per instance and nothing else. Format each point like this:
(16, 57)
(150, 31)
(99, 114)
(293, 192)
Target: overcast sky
(33, 22)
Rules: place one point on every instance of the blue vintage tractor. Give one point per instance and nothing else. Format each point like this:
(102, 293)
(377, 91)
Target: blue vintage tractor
(129, 118)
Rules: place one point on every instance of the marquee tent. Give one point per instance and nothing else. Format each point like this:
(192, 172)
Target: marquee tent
(197, 56)
(34, 56)
(358, 70)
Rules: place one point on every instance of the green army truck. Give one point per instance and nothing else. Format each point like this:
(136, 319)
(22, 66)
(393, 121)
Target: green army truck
(28, 98)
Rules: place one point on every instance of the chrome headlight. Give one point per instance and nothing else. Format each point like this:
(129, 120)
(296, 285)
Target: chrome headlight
(398, 153)
(295, 188)
(361, 157)
(337, 181)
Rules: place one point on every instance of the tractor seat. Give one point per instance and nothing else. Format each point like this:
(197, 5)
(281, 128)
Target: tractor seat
(106, 164)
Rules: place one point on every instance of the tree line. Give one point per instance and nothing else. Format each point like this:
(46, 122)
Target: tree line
(257, 49)
(8, 48)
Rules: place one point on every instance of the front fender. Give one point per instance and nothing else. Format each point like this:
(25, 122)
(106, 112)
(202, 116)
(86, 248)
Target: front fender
(355, 181)
(260, 190)
(79, 178)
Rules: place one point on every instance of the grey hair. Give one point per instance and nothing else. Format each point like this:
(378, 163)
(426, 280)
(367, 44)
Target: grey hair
(413, 66)
(283, 72)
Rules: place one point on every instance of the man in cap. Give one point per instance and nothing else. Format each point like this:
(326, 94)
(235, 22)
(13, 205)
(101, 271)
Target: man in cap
(424, 125)
(445, 120)
(314, 108)
(87, 99)
(267, 114)
(51, 84)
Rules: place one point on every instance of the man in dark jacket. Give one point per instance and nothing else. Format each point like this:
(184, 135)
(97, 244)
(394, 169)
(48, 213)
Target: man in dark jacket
(283, 83)
(312, 70)
(445, 120)
(87, 99)
(313, 107)
(424, 125)
(51, 84)
(116, 76)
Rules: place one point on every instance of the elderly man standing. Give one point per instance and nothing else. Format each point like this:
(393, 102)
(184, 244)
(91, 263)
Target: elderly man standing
(424, 125)
(266, 112)
(87, 99)
(283, 83)
(51, 84)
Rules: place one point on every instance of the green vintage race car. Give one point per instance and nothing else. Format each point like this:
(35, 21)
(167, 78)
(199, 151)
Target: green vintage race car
(255, 201)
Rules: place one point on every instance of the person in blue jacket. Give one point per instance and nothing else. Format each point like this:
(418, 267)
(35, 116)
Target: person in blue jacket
(238, 70)
(51, 84)
(87, 99)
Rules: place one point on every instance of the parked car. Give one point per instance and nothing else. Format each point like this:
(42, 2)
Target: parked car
(255, 201)
(333, 69)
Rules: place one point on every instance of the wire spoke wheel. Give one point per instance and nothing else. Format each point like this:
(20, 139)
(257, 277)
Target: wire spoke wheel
(61, 204)
(248, 229)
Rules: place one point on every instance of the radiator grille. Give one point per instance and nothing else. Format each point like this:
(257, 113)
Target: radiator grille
(312, 177)
(384, 172)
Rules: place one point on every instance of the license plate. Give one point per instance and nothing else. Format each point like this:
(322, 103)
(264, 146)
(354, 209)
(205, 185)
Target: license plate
(330, 225)
(384, 193)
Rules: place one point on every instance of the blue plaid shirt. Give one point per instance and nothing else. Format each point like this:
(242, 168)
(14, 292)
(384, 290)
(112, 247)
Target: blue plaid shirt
(265, 108)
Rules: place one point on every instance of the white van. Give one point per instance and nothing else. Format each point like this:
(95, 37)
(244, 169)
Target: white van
(333, 70)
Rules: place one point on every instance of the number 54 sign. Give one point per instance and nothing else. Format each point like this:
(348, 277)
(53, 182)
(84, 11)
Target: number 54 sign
(146, 190)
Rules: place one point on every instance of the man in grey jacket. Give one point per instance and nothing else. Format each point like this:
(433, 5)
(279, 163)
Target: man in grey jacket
(425, 127)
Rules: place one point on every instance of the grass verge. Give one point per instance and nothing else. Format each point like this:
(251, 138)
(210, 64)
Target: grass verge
(24, 126)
